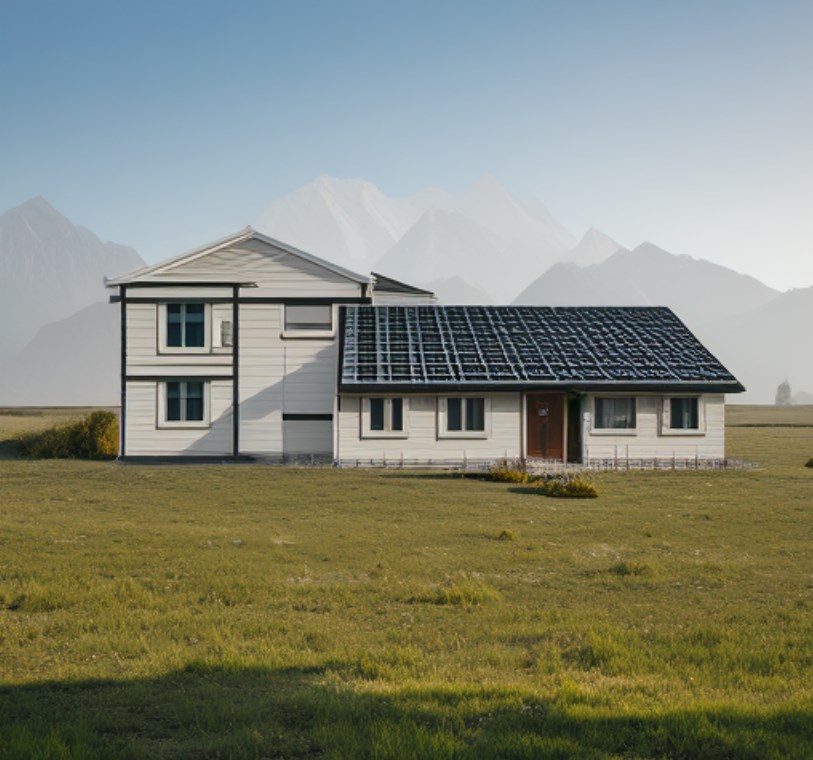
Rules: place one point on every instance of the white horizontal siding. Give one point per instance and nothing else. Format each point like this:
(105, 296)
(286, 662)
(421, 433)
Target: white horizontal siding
(262, 369)
(649, 441)
(203, 293)
(422, 440)
(311, 368)
(383, 298)
(142, 330)
(276, 272)
(145, 438)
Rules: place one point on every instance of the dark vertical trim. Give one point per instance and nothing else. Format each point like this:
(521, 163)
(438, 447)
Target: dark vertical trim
(235, 359)
(123, 411)
(342, 313)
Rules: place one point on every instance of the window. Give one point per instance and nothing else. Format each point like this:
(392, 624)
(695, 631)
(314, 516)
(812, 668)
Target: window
(185, 401)
(186, 325)
(682, 413)
(309, 317)
(615, 413)
(464, 417)
(384, 417)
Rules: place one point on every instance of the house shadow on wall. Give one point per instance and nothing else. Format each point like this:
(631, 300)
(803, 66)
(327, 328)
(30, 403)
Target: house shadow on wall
(267, 403)
(209, 711)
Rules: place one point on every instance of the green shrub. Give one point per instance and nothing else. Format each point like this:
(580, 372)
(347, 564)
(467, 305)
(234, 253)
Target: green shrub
(567, 487)
(809, 462)
(95, 436)
(505, 471)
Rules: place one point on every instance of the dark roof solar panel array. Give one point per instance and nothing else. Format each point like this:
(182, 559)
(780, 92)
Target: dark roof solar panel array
(522, 346)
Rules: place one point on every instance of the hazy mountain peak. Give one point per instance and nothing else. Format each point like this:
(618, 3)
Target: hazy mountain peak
(593, 248)
(50, 268)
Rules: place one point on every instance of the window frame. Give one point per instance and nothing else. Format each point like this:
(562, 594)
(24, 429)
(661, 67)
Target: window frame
(163, 404)
(307, 332)
(163, 329)
(625, 431)
(666, 416)
(443, 417)
(388, 432)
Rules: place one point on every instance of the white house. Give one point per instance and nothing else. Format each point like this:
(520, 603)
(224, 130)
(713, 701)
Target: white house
(250, 348)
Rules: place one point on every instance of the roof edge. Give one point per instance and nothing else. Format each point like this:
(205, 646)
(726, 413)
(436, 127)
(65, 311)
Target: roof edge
(246, 234)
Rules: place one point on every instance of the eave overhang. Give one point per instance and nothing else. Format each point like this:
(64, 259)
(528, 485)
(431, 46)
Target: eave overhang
(562, 386)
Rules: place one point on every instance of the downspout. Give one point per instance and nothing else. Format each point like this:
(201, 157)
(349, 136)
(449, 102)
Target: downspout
(235, 369)
(123, 402)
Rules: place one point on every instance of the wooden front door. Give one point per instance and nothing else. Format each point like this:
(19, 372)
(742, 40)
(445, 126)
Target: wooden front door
(546, 425)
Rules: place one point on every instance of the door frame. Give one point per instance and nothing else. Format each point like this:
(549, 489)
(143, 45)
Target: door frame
(526, 421)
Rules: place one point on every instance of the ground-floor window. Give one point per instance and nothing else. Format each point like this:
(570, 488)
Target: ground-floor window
(184, 401)
(615, 413)
(384, 416)
(463, 416)
(682, 414)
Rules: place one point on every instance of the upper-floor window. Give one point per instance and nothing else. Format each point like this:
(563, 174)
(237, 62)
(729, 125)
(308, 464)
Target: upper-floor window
(615, 413)
(308, 317)
(186, 325)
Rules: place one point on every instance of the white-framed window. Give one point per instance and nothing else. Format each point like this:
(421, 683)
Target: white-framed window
(464, 417)
(682, 415)
(185, 327)
(183, 403)
(308, 320)
(384, 417)
(616, 415)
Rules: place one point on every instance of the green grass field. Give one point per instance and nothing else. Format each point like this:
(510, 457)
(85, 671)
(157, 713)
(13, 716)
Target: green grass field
(256, 611)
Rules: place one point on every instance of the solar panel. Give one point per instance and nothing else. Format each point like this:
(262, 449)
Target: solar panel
(521, 345)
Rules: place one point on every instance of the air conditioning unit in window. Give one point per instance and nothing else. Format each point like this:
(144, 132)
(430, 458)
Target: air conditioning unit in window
(225, 333)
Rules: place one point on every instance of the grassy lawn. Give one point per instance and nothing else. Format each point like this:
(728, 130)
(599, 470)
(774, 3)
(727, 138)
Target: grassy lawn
(255, 611)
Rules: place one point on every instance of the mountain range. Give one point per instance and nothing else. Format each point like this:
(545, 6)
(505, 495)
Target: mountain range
(483, 240)
(483, 245)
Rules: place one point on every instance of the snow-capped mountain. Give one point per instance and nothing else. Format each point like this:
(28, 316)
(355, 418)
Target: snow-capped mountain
(469, 236)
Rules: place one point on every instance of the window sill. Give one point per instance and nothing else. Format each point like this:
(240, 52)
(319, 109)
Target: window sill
(184, 425)
(481, 434)
(379, 434)
(312, 334)
(683, 432)
(183, 351)
(614, 431)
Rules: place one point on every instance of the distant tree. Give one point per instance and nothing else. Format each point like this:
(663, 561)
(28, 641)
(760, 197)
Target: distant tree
(784, 396)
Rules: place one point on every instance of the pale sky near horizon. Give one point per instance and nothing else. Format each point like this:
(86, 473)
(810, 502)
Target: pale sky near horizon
(164, 125)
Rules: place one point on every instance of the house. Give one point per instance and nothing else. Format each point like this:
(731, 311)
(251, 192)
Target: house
(251, 348)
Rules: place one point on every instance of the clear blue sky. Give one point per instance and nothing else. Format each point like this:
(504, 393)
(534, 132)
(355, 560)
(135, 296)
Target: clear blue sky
(164, 125)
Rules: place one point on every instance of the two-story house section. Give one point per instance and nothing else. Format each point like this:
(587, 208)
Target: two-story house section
(248, 347)
(232, 350)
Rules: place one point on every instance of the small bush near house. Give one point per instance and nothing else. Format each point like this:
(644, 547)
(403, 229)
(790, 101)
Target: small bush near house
(95, 436)
(809, 462)
(567, 487)
(509, 471)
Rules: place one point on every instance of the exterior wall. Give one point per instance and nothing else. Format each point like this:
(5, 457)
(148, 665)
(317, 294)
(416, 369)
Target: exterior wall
(146, 438)
(278, 375)
(384, 298)
(276, 272)
(649, 440)
(421, 442)
(281, 375)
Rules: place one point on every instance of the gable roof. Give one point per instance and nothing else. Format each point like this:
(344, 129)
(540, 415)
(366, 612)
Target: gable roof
(148, 272)
(389, 285)
(412, 348)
